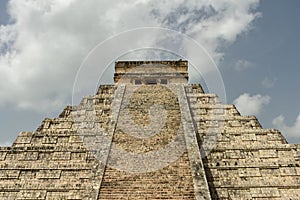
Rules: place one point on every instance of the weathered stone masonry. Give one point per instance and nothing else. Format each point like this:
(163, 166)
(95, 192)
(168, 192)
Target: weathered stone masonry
(73, 156)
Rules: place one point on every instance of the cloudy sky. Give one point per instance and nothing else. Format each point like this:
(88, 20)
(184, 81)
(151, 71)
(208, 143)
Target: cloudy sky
(45, 48)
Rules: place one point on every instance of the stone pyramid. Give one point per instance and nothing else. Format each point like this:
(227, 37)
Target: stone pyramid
(151, 135)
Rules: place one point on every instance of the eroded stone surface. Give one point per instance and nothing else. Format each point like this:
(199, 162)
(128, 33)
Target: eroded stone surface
(167, 140)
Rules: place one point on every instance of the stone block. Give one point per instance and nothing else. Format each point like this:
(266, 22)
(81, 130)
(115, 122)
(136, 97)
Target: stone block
(69, 195)
(268, 153)
(31, 194)
(249, 137)
(288, 171)
(31, 155)
(8, 195)
(234, 154)
(61, 156)
(77, 174)
(63, 139)
(249, 172)
(7, 174)
(2, 155)
(49, 139)
(237, 194)
(75, 139)
(48, 174)
(78, 156)
(264, 192)
(23, 140)
(28, 174)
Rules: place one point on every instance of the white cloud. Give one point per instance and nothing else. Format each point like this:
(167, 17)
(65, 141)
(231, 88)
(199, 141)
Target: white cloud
(242, 65)
(251, 105)
(292, 133)
(268, 82)
(41, 51)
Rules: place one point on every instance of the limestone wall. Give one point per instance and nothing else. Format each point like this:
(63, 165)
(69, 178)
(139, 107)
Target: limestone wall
(244, 161)
(52, 162)
(111, 146)
(74, 156)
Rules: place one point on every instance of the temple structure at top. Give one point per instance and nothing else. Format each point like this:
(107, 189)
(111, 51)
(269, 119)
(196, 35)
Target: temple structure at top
(151, 72)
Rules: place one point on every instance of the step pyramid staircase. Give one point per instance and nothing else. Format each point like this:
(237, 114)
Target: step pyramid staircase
(150, 141)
